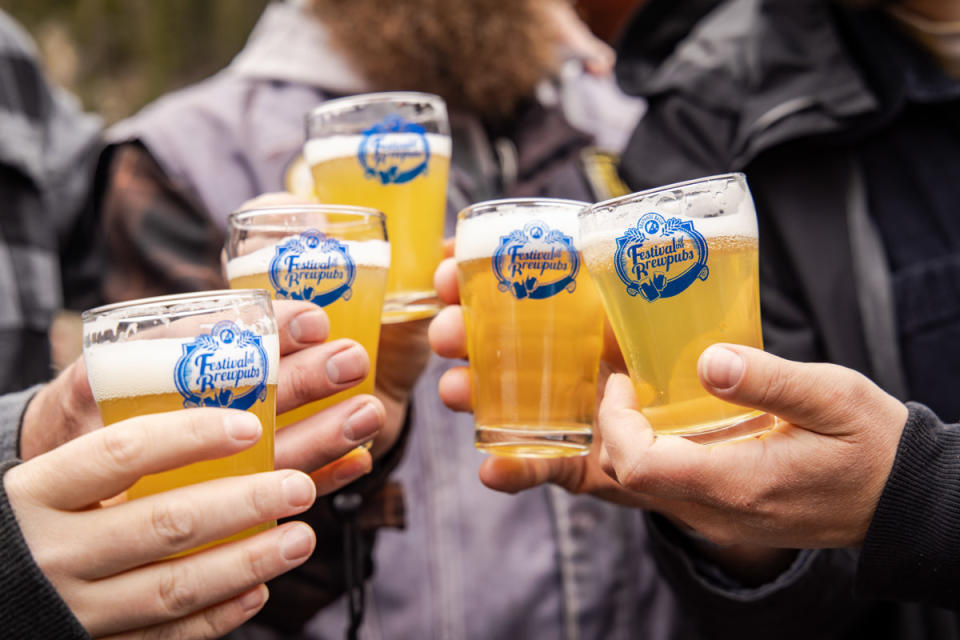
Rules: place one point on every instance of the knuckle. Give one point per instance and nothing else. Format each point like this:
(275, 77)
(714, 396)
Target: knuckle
(776, 389)
(122, 447)
(299, 383)
(174, 524)
(216, 621)
(858, 391)
(261, 500)
(257, 564)
(177, 591)
(198, 427)
(635, 479)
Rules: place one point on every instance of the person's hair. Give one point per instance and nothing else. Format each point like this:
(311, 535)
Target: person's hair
(866, 4)
(482, 55)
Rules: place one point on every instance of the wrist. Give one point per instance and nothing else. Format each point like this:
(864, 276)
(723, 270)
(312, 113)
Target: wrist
(746, 565)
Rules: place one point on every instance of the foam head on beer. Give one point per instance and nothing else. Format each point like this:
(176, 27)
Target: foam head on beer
(534, 326)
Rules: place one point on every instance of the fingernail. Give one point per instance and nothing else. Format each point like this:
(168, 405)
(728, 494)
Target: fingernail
(362, 424)
(253, 600)
(350, 468)
(722, 368)
(298, 490)
(243, 427)
(350, 365)
(295, 543)
(310, 326)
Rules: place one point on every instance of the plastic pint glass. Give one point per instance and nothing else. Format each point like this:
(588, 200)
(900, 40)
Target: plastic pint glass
(677, 270)
(391, 152)
(210, 349)
(333, 256)
(534, 326)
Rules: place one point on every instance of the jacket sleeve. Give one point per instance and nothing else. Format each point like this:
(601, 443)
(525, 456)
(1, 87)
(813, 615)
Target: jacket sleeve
(818, 585)
(912, 548)
(30, 608)
(12, 407)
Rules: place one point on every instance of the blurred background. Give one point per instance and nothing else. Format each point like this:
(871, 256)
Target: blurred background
(118, 55)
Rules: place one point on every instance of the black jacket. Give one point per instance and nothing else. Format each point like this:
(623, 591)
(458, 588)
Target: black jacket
(778, 89)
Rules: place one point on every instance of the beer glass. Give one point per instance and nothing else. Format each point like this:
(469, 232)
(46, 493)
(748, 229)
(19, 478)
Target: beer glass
(534, 326)
(677, 271)
(210, 349)
(391, 152)
(336, 257)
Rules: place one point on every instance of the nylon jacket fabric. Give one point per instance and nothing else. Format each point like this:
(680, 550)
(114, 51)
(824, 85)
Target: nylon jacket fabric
(769, 87)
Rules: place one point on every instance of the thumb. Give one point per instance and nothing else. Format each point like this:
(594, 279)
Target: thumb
(816, 396)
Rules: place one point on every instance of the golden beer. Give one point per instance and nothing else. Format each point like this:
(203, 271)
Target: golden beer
(661, 342)
(257, 458)
(534, 326)
(335, 257)
(675, 278)
(139, 366)
(395, 160)
(348, 319)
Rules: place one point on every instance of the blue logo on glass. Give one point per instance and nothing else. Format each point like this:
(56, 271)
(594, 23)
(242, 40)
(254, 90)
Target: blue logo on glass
(660, 258)
(536, 262)
(313, 267)
(394, 151)
(225, 368)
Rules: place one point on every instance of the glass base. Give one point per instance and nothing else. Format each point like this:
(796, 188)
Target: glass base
(533, 443)
(752, 427)
(410, 306)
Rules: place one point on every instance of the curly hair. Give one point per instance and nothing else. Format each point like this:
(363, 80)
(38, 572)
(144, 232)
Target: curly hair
(482, 55)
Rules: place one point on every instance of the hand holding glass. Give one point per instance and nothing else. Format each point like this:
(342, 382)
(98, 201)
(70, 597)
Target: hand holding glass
(210, 349)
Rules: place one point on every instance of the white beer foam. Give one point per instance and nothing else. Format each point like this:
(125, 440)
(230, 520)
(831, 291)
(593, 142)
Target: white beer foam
(369, 253)
(740, 222)
(319, 150)
(146, 367)
(479, 237)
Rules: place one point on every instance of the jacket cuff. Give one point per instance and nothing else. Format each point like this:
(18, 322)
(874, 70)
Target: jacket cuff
(32, 609)
(818, 581)
(12, 408)
(912, 548)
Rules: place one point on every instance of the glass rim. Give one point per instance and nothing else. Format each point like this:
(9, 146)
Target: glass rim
(631, 198)
(479, 208)
(237, 218)
(155, 301)
(379, 97)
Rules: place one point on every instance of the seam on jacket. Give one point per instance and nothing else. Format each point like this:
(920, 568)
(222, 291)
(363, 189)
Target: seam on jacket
(874, 289)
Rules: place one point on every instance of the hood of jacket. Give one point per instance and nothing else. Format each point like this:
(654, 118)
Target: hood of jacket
(755, 73)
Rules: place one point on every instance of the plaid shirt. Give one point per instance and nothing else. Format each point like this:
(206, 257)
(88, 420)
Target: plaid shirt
(48, 241)
(159, 238)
